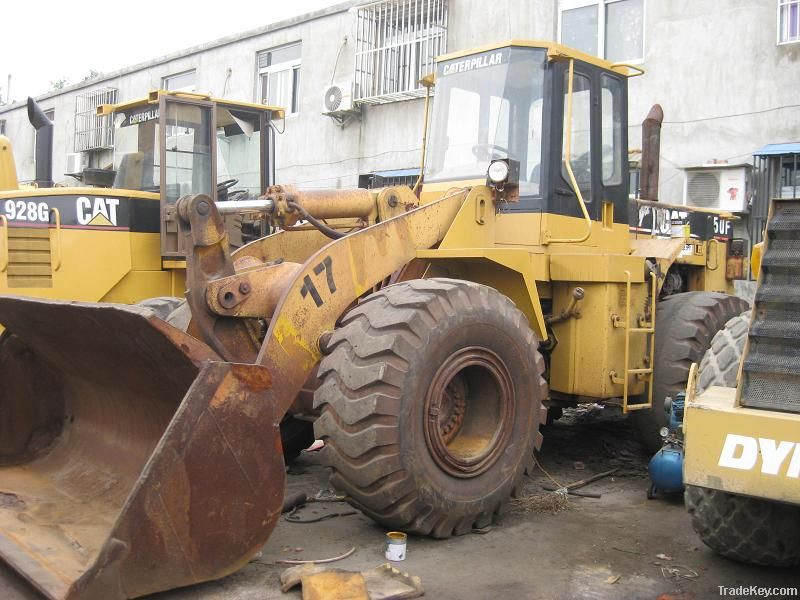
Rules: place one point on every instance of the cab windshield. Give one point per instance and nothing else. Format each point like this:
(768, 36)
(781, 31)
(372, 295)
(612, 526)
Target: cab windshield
(136, 149)
(488, 106)
(188, 158)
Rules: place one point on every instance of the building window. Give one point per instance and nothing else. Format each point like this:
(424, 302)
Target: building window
(788, 21)
(93, 132)
(396, 44)
(279, 77)
(610, 29)
(180, 82)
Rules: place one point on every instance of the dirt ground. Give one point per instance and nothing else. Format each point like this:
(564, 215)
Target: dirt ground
(595, 549)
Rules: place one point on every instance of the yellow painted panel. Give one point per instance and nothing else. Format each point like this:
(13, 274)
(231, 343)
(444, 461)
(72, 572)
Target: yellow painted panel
(92, 263)
(590, 347)
(596, 267)
(138, 285)
(741, 450)
(145, 251)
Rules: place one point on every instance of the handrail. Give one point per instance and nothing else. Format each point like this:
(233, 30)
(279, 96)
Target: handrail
(638, 70)
(568, 166)
(424, 135)
(4, 221)
(57, 264)
(716, 255)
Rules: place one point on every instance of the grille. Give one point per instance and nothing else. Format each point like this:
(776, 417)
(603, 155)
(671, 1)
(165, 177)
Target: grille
(703, 189)
(29, 258)
(771, 369)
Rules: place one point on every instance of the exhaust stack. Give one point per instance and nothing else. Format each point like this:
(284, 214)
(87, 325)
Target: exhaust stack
(44, 144)
(651, 149)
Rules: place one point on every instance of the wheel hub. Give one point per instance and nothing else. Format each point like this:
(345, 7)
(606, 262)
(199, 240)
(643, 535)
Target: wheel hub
(469, 411)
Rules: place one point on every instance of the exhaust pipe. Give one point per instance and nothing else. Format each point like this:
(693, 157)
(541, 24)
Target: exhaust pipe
(44, 144)
(651, 148)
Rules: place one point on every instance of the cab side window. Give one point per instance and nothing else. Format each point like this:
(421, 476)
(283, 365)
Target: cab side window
(580, 157)
(611, 130)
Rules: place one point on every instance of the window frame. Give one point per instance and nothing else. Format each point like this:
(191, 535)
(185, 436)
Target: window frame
(396, 44)
(565, 5)
(295, 65)
(778, 32)
(166, 78)
(92, 132)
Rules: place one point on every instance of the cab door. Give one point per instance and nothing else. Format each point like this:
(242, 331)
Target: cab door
(188, 162)
(598, 127)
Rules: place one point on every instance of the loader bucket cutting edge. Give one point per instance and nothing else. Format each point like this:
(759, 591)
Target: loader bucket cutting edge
(132, 460)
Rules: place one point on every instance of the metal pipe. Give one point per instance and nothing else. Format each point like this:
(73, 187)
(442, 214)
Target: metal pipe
(44, 144)
(424, 137)
(572, 308)
(232, 207)
(651, 147)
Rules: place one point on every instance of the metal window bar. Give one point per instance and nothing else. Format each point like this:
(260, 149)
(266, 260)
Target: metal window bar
(396, 44)
(91, 131)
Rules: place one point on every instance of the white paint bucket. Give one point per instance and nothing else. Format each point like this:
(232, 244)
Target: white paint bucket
(396, 545)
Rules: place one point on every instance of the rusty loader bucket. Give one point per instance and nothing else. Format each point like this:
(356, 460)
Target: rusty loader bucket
(132, 459)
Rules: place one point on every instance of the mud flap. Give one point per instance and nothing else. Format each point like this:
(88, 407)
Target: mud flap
(132, 460)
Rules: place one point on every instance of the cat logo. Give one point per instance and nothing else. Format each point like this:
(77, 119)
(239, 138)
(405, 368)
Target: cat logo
(99, 212)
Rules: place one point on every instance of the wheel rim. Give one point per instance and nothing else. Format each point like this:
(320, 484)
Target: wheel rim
(469, 412)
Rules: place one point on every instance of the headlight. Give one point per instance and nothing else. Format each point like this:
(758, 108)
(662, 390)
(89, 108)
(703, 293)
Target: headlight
(498, 171)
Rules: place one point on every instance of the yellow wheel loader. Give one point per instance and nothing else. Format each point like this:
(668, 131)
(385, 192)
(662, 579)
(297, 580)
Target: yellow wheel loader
(427, 336)
(119, 243)
(742, 442)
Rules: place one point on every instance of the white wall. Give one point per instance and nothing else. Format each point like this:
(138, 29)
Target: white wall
(705, 61)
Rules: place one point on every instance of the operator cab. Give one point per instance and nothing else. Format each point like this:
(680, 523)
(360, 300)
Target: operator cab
(509, 104)
(176, 144)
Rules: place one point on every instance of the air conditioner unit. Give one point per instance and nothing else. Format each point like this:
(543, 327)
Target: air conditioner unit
(719, 186)
(337, 99)
(76, 163)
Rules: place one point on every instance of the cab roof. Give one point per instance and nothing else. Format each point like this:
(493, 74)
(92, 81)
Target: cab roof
(554, 51)
(154, 97)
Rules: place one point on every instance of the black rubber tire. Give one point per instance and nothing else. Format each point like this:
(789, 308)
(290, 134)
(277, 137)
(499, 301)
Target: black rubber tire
(383, 358)
(750, 530)
(720, 364)
(296, 436)
(685, 326)
(163, 306)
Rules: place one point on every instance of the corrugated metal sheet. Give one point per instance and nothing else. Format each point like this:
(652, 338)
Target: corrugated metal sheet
(773, 149)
